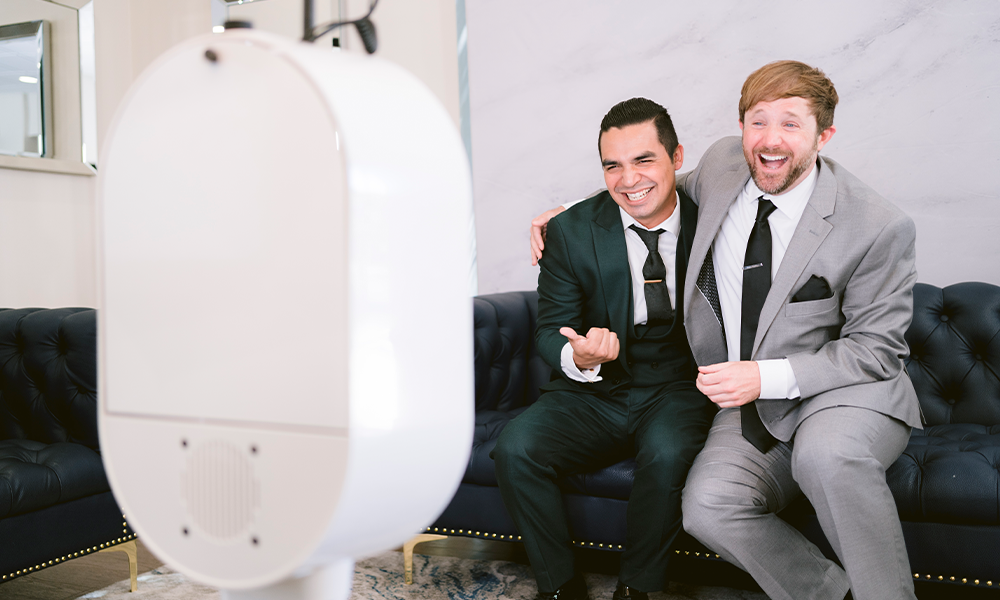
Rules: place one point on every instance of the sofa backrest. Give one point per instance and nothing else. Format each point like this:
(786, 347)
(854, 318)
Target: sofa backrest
(954, 360)
(509, 370)
(48, 375)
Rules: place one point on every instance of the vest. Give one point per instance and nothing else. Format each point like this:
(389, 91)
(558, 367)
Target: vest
(659, 354)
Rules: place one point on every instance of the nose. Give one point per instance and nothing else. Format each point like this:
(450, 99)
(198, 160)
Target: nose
(772, 135)
(630, 176)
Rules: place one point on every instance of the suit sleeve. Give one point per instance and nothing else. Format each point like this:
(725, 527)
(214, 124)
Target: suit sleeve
(693, 181)
(687, 182)
(560, 297)
(877, 307)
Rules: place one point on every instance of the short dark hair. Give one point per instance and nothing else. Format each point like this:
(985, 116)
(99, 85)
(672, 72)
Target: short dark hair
(640, 110)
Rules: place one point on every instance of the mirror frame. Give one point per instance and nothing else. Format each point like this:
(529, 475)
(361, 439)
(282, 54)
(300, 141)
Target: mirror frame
(86, 163)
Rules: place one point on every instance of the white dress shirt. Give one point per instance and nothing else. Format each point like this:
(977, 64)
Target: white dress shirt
(728, 253)
(637, 253)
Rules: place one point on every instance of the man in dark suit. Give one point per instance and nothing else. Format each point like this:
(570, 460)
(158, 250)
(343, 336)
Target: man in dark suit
(611, 325)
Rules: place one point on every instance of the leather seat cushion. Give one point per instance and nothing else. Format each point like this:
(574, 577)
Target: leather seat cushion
(949, 474)
(34, 475)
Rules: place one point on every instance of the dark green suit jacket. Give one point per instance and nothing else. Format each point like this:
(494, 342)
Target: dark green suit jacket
(585, 282)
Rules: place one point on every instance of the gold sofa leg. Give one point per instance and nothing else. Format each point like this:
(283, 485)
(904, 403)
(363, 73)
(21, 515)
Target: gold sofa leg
(130, 549)
(408, 552)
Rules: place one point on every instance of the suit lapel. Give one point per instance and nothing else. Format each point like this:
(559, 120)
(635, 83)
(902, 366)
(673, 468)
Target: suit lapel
(713, 206)
(812, 229)
(712, 210)
(689, 221)
(612, 262)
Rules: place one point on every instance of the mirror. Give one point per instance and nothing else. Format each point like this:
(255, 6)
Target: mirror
(48, 92)
(25, 101)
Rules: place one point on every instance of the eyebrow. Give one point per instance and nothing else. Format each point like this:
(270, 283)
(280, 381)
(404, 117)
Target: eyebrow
(644, 155)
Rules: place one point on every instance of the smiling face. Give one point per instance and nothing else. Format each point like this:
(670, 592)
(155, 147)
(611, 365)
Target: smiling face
(639, 172)
(780, 143)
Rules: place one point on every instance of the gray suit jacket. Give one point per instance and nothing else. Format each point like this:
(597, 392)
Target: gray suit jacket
(844, 350)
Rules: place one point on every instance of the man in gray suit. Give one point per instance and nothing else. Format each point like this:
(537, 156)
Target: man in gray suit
(799, 291)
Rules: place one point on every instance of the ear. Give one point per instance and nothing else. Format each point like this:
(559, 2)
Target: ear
(825, 136)
(678, 157)
(741, 124)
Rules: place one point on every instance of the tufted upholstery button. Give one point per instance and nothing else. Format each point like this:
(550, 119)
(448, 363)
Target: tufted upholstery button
(979, 357)
(944, 318)
(509, 369)
(951, 401)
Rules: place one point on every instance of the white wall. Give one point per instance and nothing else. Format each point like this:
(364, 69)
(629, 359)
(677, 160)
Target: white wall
(47, 243)
(46, 258)
(919, 83)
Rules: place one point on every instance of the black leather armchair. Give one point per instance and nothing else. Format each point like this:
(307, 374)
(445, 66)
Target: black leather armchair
(55, 502)
(946, 484)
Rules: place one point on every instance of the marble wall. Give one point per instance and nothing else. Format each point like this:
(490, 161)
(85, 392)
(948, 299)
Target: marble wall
(918, 120)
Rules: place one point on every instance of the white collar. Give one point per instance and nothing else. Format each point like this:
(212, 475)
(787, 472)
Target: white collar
(671, 223)
(792, 202)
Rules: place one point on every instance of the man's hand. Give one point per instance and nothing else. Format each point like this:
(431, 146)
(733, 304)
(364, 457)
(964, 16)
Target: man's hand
(600, 346)
(730, 384)
(538, 233)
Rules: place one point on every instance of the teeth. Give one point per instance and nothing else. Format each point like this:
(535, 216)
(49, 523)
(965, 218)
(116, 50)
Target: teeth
(638, 195)
(771, 157)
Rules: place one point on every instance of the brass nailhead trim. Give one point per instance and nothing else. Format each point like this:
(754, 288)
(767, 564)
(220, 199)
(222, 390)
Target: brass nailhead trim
(57, 559)
(964, 580)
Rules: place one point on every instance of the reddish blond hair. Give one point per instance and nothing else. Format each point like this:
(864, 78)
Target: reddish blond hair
(791, 79)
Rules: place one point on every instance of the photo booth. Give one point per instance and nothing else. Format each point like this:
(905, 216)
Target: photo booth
(284, 255)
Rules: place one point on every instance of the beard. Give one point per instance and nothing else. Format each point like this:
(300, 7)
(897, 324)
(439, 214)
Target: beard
(766, 182)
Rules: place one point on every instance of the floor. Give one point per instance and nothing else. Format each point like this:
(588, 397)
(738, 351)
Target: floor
(74, 578)
(86, 574)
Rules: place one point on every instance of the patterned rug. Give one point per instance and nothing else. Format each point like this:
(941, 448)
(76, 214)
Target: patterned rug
(435, 578)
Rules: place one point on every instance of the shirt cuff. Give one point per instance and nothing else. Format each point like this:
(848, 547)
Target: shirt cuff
(570, 369)
(777, 380)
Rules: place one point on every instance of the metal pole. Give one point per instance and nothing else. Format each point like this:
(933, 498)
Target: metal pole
(307, 20)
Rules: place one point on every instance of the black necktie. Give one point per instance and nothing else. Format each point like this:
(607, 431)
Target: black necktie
(756, 284)
(658, 307)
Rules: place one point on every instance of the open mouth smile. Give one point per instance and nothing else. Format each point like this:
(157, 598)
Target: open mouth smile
(636, 196)
(772, 162)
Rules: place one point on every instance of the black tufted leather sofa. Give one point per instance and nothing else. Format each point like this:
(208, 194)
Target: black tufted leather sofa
(946, 483)
(55, 502)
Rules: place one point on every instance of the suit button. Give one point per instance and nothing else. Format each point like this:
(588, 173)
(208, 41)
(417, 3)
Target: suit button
(655, 365)
(617, 381)
(630, 363)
